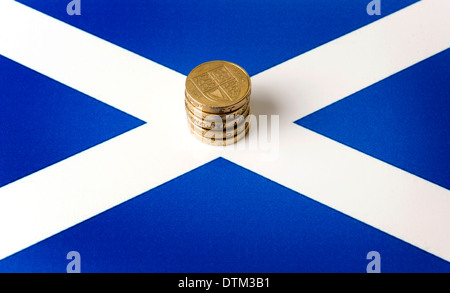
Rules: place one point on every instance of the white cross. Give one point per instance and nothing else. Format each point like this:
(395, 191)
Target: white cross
(82, 186)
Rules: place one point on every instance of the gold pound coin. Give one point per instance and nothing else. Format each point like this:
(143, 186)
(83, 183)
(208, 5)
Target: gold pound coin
(218, 87)
(206, 115)
(218, 132)
(215, 121)
(221, 142)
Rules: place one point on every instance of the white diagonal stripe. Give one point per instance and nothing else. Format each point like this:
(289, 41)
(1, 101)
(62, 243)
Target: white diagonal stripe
(392, 200)
(352, 62)
(374, 192)
(84, 62)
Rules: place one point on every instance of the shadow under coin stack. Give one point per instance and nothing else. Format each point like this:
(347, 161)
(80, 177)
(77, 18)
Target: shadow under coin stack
(218, 102)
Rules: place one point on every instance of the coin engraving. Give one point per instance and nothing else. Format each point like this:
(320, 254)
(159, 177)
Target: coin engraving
(205, 82)
(221, 74)
(219, 86)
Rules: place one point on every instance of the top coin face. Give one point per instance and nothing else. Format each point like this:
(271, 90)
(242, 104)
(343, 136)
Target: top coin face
(218, 86)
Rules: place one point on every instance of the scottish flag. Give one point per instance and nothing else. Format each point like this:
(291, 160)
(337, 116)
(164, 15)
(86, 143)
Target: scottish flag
(346, 167)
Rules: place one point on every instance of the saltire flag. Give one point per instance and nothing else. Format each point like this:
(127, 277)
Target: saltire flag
(97, 163)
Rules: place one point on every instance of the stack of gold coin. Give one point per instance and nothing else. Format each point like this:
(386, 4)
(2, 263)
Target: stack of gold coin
(218, 102)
